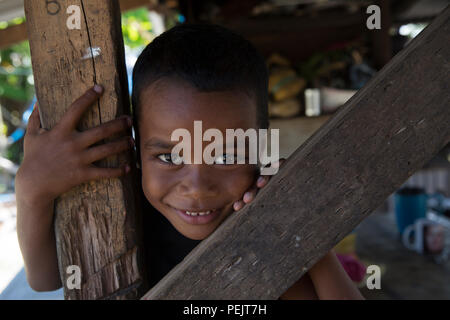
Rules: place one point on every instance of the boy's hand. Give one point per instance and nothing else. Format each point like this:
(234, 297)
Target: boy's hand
(260, 183)
(59, 159)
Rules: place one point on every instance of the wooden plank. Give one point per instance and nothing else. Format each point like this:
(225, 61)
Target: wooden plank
(126, 5)
(343, 172)
(302, 36)
(12, 35)
(18, 33)
(96, 223)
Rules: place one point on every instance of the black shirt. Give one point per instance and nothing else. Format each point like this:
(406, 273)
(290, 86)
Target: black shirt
(164, 246)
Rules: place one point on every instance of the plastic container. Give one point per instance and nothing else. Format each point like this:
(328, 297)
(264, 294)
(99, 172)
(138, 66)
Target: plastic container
(410, 205)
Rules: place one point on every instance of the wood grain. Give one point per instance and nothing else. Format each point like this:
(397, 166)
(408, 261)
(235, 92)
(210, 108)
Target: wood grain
(344, 171)
(12, 35)
(97, 223)
(18, 33)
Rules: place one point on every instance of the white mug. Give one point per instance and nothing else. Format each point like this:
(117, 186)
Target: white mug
(418, 243)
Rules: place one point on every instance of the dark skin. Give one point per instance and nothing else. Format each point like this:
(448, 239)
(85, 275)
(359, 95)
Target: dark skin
(169, 105)
(165, 106)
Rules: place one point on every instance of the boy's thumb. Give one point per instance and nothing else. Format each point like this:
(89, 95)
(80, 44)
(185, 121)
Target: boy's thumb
(34, 122)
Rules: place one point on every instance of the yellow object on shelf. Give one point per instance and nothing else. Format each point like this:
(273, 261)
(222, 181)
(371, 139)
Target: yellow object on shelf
(284, 109)
(278, 60)
(284, 84)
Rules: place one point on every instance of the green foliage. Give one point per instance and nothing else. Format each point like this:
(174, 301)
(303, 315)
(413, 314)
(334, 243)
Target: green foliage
(16, 80)
(16, 85)
(137, 28)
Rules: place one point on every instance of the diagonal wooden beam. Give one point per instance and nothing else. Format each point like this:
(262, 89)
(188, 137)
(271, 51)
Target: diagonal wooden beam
(97, 224)
(386, 132)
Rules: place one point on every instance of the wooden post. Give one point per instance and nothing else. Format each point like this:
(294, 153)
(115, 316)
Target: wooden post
(18, 33)
(97, 224)
(386, 132)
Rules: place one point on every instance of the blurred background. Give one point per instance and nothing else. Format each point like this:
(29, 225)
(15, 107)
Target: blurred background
(319, 53)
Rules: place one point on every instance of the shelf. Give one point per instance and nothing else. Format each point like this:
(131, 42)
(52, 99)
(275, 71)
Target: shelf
(295, 131)
(297, 38)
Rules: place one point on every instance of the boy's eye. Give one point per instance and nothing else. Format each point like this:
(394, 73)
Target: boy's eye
(221, 160)
(232, 159)
(167, 158)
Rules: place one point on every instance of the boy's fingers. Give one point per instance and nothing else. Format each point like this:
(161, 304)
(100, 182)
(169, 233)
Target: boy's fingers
(249, 195)
(34, 122)
(275, 164)
(238, 205)
(105, 130)
(105, 150)
(73, 115)
(262, 181)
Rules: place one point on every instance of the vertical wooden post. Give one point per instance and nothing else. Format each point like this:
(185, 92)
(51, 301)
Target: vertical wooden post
(97, 224)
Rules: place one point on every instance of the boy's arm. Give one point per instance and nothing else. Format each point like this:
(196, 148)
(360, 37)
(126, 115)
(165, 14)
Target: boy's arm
(331, 281)
(326, 280)
(37, 242)
(303, 289)
(54, 162)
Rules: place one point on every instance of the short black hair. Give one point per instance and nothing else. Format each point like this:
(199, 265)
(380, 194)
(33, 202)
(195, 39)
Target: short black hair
(209, 57)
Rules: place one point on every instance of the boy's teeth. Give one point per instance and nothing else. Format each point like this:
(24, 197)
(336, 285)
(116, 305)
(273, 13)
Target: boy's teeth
(194, 214)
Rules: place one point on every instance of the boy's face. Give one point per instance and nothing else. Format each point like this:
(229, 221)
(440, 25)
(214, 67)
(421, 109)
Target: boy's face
(172, 189)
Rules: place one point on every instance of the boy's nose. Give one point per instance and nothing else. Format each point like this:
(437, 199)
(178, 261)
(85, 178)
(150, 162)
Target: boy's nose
(198, 183)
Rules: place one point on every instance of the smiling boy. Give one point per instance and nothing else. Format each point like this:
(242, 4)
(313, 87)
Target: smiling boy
(189, 73)
(196, 188)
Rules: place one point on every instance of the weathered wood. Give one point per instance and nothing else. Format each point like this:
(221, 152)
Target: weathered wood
(18, 33)
(96, 224)
(12, 35)
(133, 4)
(384, 133)
(302, 37)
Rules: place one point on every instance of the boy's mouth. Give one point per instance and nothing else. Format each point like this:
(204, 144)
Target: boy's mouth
(198, 213)
(198, 216)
